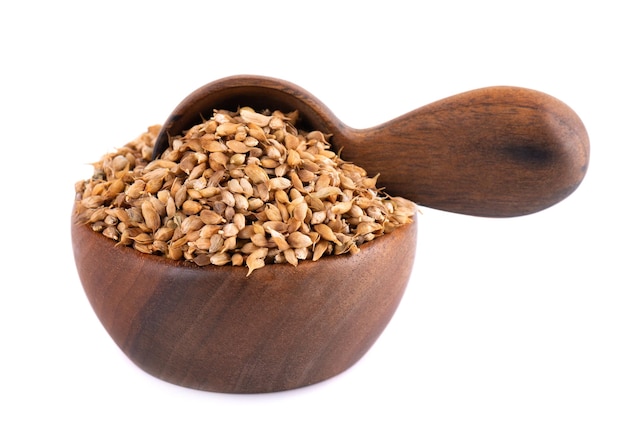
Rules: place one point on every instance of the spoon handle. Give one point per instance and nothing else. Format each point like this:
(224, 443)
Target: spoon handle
(497, 151)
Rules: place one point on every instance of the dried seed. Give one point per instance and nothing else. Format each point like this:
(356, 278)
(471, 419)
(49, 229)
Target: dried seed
(279, 240)
(325, 192)
(256, 174)
(191, 207)
(279, 183)
(237, 259)
(220, 258)
(341, 207)
(241, 187)
(210, 217)
(151, 217)
(272, 212)
(229, 230)
(226, 129)
(256, 260)
(237, 147)
(326, 232)
(290, 256)
(300, 211)
(299, 240)
(248, 115)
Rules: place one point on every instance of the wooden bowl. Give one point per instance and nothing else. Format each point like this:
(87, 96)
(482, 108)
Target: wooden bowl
(212, 328)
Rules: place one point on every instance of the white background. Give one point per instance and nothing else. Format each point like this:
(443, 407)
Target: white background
(511, 330)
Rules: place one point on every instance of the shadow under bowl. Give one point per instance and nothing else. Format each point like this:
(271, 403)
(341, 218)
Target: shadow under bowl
(212, 328)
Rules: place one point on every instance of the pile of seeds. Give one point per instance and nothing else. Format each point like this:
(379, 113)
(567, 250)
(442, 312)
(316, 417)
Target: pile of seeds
(242, 188)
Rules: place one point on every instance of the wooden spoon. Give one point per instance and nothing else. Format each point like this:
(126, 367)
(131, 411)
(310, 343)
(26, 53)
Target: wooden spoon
(498, 151)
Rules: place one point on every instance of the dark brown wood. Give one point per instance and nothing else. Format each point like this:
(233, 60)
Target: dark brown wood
(214, 329)
(497, 151)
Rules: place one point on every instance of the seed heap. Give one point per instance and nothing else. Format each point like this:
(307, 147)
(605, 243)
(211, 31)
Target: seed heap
(243, 188)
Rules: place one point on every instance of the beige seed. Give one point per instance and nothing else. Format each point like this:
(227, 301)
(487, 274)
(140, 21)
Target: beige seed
(234, 186)
(256, 174)
(341, 207)
(272, 212)
(216, 243)
(273, 225)
(321, 248)
(181, 196)
(237, 147)
(135, 190)
(281, 196)
(97, 215)
(318, 217)
(291, 141)
(248, 115)
(326, 232)
(237, 259)
(290, 257)
(119, 163)
(255, 203)
(191, 207)
(279, 240)
(246, 232)
(197, 171)
(212, 145)
(246, 187)
(300, 211)
(326, 192)
(229, 230)
(296, 181)
(279, 183)
(228, 198)
(257, 131)
(293, 158)
(299, 240)
(174, 253)
(151, 217)
(230, 243)
(111, 233)
(239, 220)
(237, 159)
(227, 129)
(251, 142)
(218, 160)
(210, 217)
(259, 240)
(269, 163)
(263, 191)
(220, 259)
(306, 176)
(256, 260)
(241, 203)
(276, 122)
(209, 230)
(302, 253)
(191, 223)
(367, 227)
(164, 234)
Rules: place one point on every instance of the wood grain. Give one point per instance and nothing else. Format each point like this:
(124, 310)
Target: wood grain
(497, 151)
(214, 329)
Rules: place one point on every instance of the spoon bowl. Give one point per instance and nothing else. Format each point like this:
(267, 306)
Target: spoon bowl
(497, 151)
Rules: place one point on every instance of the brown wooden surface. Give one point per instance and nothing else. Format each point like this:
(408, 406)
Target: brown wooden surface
(213, 328)
(497, 151)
